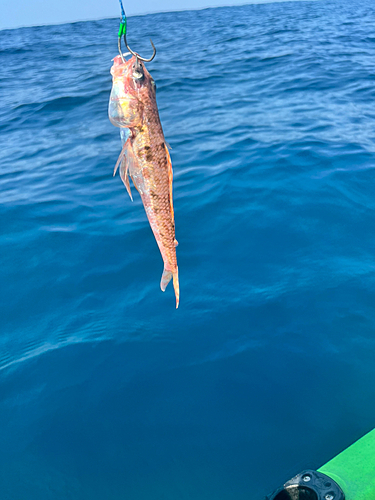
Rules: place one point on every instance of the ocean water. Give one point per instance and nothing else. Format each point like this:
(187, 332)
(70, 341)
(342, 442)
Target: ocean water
(267, 367)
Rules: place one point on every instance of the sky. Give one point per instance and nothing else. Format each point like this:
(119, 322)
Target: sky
(38, 12)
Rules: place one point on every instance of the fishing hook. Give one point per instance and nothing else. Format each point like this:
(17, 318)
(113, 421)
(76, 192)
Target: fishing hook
(135, 53)
(120, 51)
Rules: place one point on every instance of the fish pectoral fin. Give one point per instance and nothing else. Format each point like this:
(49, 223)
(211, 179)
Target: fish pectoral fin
(126, 161)
(124, 176)
(175, 243)
(120, 158)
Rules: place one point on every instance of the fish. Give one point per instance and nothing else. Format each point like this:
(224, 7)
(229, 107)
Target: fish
(145, 156)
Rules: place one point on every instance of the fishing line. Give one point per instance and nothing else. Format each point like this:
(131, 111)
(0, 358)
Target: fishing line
(122, 30)
(122, 33)
(122, 12)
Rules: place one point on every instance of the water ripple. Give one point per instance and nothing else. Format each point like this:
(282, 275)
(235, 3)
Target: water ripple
(269, 112)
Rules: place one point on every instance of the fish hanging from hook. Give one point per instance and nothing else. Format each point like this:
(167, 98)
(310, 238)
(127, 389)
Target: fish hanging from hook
(144, 158)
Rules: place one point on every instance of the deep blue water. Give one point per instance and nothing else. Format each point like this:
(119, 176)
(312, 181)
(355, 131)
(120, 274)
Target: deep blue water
(267, 368)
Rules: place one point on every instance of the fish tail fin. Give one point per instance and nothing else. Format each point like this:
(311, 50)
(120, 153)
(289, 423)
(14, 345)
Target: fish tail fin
(166, 278)
(176, 287)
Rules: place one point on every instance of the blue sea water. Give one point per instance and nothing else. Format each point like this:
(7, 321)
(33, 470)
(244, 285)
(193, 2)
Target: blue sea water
(267, 367)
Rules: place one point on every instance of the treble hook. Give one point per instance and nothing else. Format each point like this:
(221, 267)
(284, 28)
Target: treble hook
(135, 53)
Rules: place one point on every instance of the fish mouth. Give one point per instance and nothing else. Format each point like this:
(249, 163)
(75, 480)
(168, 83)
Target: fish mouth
(137, 75)
(137, 70)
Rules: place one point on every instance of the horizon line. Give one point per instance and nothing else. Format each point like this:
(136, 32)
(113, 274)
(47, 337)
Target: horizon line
(251, 2)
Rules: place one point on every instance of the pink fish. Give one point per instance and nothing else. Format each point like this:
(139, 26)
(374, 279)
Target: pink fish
(145, 156)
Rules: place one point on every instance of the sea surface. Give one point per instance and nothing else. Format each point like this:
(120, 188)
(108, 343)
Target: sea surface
(267, 367)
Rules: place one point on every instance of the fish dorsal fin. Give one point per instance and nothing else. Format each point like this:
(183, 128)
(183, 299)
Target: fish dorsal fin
(170, 178)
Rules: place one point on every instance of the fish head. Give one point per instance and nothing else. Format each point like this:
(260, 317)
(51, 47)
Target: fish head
(142, 80)
(133, 73)
(131, 81)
